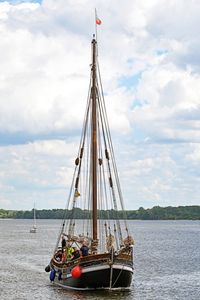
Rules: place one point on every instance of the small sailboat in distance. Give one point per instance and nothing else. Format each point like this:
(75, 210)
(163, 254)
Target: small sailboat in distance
(34, 227)
(98, 253)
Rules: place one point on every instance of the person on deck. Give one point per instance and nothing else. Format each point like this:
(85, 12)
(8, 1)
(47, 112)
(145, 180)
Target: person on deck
(63, 243)
(84, 249)
(59, 256)
(70, 251)
(64, 256)
(76, 254)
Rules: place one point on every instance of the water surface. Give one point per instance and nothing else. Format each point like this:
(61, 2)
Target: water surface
(167, 262)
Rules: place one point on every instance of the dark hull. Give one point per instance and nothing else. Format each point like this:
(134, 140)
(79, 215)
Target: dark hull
(96, 275)
(99, 279)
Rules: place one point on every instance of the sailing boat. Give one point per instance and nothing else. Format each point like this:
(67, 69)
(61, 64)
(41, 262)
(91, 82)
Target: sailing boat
(34, 227)
(99, 253)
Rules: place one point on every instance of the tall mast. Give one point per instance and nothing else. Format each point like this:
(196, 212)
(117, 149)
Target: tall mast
(94, 140)
(34, 216)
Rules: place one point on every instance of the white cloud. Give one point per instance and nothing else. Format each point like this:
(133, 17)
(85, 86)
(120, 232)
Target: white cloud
(194, 155)
(170, 104)
(149, 59)
(41, 168)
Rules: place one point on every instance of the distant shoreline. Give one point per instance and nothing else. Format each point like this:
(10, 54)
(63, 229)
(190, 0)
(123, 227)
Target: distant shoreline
(155, 213)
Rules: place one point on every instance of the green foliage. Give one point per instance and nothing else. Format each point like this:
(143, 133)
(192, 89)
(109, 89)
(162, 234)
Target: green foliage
(155, 213)
(6, 214)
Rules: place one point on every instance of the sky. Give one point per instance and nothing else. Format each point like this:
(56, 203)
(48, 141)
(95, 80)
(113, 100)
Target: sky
(149, 56)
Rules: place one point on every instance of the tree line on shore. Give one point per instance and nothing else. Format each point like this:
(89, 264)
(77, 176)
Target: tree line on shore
(155, 213)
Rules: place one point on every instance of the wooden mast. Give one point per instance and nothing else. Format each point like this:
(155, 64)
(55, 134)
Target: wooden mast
(94, 141)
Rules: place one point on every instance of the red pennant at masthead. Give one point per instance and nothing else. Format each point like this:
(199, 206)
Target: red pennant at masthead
(98, 21)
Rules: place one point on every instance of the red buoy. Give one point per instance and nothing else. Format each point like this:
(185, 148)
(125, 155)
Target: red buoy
(76, 272)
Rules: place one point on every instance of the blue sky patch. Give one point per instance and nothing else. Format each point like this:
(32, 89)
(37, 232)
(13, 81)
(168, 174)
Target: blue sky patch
(129, 81)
